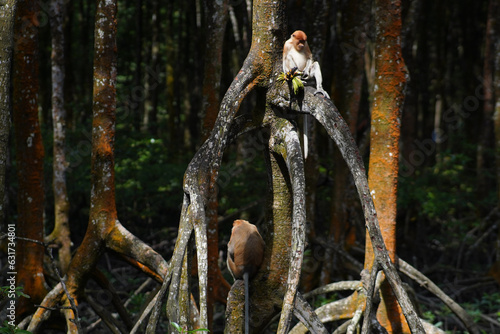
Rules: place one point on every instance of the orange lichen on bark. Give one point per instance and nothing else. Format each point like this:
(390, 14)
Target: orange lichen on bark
(29, 156)
(388, 96)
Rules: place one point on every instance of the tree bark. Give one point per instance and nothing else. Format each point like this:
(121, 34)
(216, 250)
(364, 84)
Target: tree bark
(215, 13)
(7, 12)
(346, 92)
(104, 230)
(260, 71)
(29, 156)
(61, 233)
(388, 97)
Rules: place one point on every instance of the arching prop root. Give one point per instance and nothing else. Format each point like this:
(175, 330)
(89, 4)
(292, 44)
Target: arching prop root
(199, 183)
(326, 113)
(119, 240)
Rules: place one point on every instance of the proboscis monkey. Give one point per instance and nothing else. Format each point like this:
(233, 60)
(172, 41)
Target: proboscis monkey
(245, 252)
(297, 54)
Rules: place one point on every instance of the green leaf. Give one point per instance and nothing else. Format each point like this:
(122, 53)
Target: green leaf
(20, 293)
(281, 77)
(297, 84)
(176, 326)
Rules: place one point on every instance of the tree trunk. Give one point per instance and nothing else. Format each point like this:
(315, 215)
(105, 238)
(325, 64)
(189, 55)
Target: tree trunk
(216, 14)
(388, 97)
(104, 229)
(346, 92)
(150, 119)
(61, 233)
(7, 12)
(215, 18)
(260, 72)
(103, 213)
(268, 287)
(29, 156)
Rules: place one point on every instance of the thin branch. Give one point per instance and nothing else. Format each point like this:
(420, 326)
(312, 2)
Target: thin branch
(54, 308)
(304, 312)
(76, 318)
(327, 114)
(153, 306)
(355, 319)
(115, 326)
(370, 290)
(424, 281)
(332, 287)
(74, 308)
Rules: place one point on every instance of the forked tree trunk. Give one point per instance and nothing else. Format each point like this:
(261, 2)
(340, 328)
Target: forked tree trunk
(104, 231)
(260, 71)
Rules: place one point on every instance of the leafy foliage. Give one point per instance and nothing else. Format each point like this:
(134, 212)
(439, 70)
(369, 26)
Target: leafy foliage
(9, 329)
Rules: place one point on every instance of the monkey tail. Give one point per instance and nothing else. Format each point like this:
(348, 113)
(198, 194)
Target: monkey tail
(306, 136)
(246, 278)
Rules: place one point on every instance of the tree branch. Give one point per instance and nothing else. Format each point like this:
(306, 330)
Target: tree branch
(424, 281)
(295, 165)
(327, 114)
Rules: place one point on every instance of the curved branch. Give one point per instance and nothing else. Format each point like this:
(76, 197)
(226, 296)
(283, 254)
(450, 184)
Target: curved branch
(332, 287)
(43, 313)
(424, 281)
(304, 312)
(327, 114)
(199, 180)
(338, 310)
(154, 306)
(295, 164)
(123, 242)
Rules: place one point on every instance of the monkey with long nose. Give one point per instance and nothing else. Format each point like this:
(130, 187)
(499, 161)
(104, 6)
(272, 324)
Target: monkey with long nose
(297, 55)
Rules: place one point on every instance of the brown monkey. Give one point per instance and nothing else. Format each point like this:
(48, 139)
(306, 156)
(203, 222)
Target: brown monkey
(245, 252)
